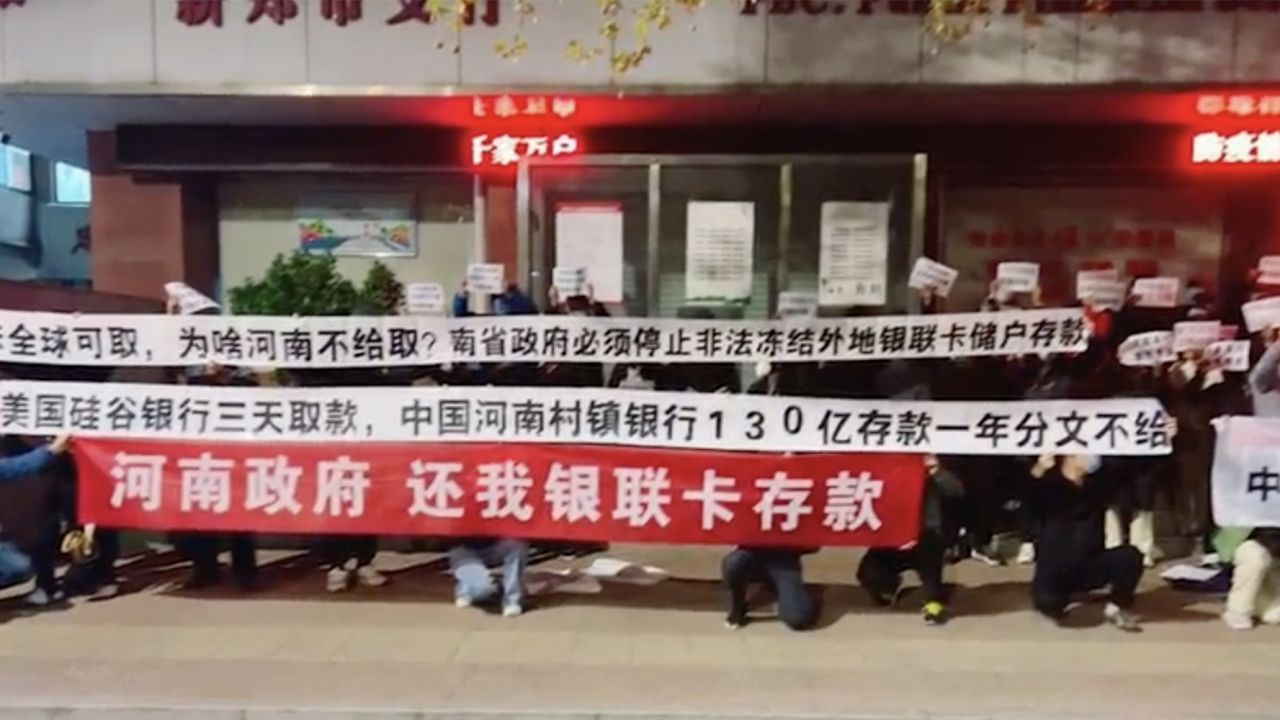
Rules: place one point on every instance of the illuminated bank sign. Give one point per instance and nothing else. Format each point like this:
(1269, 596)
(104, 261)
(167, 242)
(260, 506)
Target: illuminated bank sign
(1239, 147)
(508, 149)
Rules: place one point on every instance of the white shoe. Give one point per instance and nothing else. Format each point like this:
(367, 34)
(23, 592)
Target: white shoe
(1237, 621)
(338, 580)
(38, 598)
(1026, 553)
(462, 602)
(368, 576)
(985, 559)
(512, 610)
(1271, 616)
(105, 592)
(1121, 618)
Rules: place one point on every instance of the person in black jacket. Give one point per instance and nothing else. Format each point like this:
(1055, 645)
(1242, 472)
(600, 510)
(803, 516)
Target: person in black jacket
(1070, 497)
(880, 572)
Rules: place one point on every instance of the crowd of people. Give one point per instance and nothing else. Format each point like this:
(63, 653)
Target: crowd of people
(1085, 522)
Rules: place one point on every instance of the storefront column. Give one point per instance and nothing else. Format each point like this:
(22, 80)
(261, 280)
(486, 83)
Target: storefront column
(148, 230)
(500, 226)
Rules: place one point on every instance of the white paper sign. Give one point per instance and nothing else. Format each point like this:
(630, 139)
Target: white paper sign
(1147, 349)
(1261, 314)
(719, 247)
(1269, 269)
(1100, 288)
(1195, 335)
(853, 253)
(423, 298)
(1157, 292)
(797, 304)
(1246, 472)
(932, 275)
(1132, 426)
(189, 300)
(589, 236)
(1229, 355)
(569, 281)
(1018, 276)
(486, 278)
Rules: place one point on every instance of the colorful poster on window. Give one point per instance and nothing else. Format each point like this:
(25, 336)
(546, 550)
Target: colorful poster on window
(359, 225)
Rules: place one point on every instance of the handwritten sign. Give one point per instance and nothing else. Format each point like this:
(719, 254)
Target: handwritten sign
(1018, 276)
(1157, 292)
(1261, 314)
(189, 300)
(423, 298)
(1146, 349)
(486, 278)
(1195, 335)
(569, 281)
(1229, 355)
(932, 275)
(797, 304)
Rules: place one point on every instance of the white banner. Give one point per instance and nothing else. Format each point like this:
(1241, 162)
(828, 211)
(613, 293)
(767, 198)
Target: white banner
(584, 415)
(1246, 472)
(375, 341)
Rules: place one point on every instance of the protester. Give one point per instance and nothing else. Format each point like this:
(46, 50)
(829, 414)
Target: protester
(470, 561)
(880, 572)
(15, 565)
(781, 570)
(1070, 497)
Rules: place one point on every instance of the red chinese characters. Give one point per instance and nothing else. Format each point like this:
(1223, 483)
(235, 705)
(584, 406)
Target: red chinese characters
(277, 11)
(507, 106)
(603, 493)
(341, 12)
(193, 13)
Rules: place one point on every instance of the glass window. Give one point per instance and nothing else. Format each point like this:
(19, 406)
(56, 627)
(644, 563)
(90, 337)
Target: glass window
(15, 168)
(70, 184)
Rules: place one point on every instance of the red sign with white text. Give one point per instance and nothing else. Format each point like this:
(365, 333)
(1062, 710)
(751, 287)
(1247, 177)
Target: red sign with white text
(588, 493)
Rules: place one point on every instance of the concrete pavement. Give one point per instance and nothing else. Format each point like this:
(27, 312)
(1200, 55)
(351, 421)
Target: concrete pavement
(404, 651)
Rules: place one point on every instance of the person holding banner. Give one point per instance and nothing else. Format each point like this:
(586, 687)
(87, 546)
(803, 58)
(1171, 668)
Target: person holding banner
(15, 565)
(880, 572)
(1070, 497)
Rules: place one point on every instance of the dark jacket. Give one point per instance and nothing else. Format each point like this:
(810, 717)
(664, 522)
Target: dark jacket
(1071, 519)
(29, 463)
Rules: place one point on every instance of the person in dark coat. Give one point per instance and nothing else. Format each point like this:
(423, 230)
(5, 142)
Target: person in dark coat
(782, 571)
(880, 572)
(1070, 497)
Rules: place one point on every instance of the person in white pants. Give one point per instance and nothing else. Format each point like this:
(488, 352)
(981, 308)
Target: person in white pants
(1255, 584)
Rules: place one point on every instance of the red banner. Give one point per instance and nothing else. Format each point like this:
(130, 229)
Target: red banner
(568, 492)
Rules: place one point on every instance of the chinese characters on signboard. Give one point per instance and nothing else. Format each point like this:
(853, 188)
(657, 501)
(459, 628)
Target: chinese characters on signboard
(1238, 105)
(507, 150)
(196, 13)
(1243, 147)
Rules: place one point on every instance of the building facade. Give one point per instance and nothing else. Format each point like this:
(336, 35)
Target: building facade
(222, 132)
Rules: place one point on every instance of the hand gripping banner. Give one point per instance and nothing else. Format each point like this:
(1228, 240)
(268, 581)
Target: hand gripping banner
(602, 494)
(332, 342)
(597, 416)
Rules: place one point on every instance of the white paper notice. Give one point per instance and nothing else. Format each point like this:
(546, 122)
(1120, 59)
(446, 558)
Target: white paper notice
(422, 298)
(797, 304)
(1146, 349)
(853, 254)
(932, 275)
(1229, 355)
(1269, 270)
(1261, 314)
(1195, 334)
(569, 281)
(589, 236)
(189, 300)
(1018, 276)
(485, 278)
(719, 244)
(1156, 292)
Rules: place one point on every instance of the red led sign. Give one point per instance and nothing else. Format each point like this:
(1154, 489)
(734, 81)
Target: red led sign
(508, 149)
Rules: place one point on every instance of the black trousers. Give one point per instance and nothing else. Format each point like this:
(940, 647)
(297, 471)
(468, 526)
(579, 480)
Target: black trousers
(202, 550)
(779, 569)
(336, 550)
(1118, 568)
(881, 569)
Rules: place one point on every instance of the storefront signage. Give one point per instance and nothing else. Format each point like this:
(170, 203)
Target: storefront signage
(1243, 147)
(507, 150)
(1238, 105)
(195, 13)
(506, 106)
